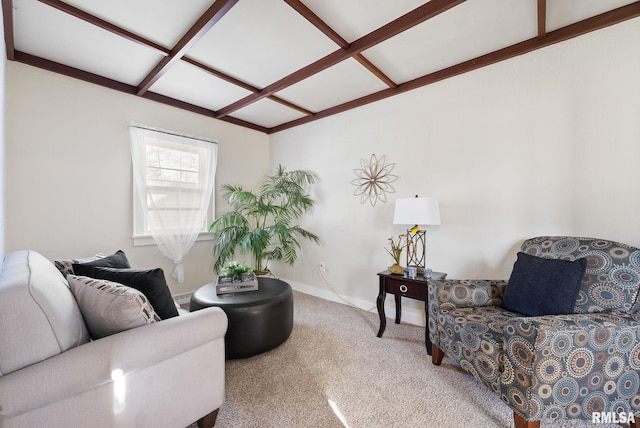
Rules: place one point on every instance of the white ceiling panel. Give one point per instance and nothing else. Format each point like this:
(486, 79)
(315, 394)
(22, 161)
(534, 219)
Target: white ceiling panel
(561, 13)
(187, 83)
(341, 83)
(163, 22)
(261, 41)
(267, 113)
(467, 31)
(96, 51)
(355, 18)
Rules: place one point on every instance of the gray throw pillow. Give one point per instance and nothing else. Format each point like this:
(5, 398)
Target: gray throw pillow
(108, 307)
(65, 266)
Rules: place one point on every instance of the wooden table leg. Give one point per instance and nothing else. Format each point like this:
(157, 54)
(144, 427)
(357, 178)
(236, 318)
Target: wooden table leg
(427, 339)
(398, 308)
(380, 303)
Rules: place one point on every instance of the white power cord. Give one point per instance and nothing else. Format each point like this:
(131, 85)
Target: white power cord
(326, 281)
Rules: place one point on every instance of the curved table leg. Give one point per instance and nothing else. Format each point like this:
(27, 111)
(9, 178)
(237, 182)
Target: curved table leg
(380, 303)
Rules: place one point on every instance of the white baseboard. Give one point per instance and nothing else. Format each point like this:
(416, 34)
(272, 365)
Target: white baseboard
(409, 315)
(183, 298)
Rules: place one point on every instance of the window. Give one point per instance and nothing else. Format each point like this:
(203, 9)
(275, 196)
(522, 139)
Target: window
(173, 184)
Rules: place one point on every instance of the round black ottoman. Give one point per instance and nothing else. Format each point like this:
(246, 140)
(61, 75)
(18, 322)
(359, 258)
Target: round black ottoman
(258, 320)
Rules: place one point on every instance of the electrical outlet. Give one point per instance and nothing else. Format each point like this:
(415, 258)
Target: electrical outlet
(323, 267)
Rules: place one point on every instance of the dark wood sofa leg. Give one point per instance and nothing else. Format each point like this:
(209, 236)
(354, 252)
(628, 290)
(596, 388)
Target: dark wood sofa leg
(520, 422)
(437, 355)
(208, 421)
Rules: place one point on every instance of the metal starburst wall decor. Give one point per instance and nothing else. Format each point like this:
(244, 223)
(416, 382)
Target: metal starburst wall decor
(374, 178)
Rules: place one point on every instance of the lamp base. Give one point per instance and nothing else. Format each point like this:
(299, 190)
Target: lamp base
(416, 249)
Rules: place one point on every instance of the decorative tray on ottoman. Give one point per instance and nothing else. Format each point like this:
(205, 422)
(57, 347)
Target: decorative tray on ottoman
(227, 284)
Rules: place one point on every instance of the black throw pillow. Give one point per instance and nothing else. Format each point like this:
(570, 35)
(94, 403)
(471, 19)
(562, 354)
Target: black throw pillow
(116, 260)
(151, 283)
(540, 286)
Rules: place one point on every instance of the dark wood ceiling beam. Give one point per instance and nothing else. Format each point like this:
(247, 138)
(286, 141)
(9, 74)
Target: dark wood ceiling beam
(290, 105)
(393, 28)
(199, 29)
(75, 73)
(321, 25)
(542, 18)
(375, 70)
(595, 23)
(219, 74)
(7, 16)
(101, 23)
(317, 22)
(240, 83)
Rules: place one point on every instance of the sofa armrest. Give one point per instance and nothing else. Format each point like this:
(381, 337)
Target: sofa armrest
(102, 362)
(559, 360)
(457, 293)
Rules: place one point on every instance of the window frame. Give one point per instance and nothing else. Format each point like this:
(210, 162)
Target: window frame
(141, 235)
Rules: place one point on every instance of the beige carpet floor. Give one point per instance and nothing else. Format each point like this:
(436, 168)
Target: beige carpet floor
(334, 372)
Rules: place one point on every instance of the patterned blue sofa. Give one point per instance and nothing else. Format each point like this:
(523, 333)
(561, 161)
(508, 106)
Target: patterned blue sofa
(582, 365)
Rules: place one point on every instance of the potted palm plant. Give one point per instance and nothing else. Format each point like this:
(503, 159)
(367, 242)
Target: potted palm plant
(263, 223)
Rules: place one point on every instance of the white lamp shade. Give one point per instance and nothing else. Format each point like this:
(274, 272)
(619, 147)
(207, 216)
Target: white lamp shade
(417, 211)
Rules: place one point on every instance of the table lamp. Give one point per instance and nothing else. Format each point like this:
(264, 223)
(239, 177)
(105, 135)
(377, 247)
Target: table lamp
(418, 212)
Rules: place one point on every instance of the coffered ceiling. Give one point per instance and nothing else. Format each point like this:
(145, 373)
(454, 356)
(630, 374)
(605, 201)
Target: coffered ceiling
(274, 64)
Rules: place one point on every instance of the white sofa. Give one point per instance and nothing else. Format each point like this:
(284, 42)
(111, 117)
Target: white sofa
(165, 374)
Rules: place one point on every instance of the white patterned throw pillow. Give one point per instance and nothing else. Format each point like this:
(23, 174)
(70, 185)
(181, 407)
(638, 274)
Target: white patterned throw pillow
(65, 266)
(108, 307)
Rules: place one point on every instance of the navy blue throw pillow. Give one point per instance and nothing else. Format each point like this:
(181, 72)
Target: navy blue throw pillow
(540, 286)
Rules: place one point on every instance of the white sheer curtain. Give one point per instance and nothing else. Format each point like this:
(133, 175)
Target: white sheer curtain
(173, 177)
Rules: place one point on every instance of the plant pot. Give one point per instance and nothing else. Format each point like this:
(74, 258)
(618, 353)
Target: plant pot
(262, 273)
(396, 269)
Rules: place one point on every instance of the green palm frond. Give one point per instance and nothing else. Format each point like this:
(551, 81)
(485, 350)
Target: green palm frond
(306, 234)
(225, 245)
(262, 223)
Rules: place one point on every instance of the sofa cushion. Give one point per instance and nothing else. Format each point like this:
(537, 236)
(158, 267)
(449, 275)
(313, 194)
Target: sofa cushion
(150, 282)
(108, 307)
(540, 286)
(39, 317)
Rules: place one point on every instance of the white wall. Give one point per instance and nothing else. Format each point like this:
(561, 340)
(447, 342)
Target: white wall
(3, 61)
(68, 177)
(546, 143)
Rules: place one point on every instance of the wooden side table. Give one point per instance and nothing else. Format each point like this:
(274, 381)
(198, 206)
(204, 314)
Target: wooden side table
(403, 286)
